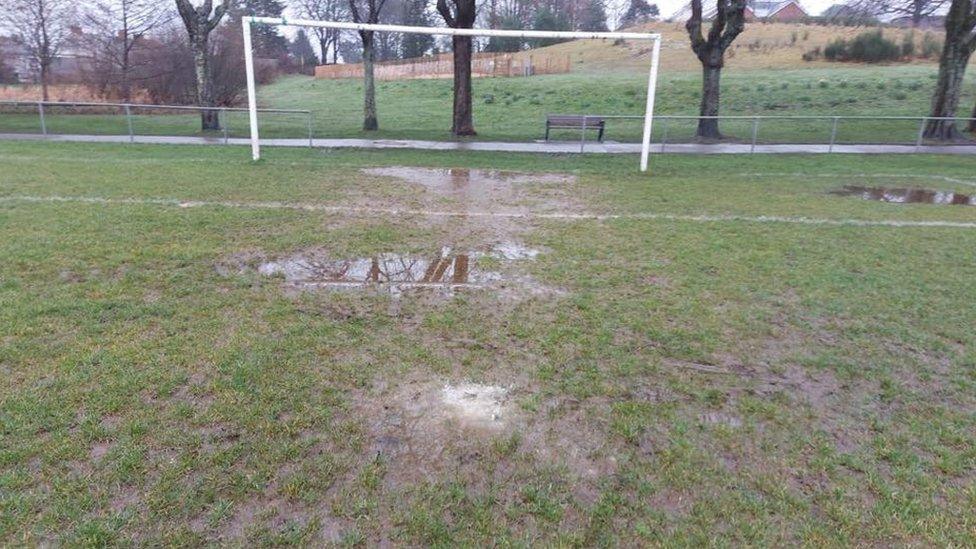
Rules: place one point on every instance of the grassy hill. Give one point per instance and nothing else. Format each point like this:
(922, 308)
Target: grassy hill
(760, 46)
(515, 108)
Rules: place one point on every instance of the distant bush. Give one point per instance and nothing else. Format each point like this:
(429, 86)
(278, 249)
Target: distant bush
(908, 44)
(867, 47)
(931, 47)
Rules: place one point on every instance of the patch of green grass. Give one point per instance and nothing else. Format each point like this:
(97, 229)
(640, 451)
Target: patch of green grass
(726, 382)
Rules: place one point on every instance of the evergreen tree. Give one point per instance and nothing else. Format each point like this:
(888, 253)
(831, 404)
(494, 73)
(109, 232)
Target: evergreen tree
(268, 43)
(415, 15)
(548, 19)
(639, 11)
(593, 17)
(501, 44)
(302, 53)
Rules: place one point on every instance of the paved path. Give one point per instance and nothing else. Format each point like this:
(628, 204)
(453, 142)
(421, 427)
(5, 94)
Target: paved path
(499, 146)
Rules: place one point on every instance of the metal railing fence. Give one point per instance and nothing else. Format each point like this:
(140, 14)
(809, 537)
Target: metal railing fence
(663, 122)
(300, 124)
(130, 112)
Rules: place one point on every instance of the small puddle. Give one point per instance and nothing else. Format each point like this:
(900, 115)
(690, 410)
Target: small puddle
(906, 196)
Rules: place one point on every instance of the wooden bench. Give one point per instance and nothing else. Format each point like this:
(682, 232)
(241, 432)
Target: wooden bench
(575, 122)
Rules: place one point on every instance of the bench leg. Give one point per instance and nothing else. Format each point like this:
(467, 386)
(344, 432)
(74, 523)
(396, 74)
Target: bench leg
(599, 136)
(547, 133)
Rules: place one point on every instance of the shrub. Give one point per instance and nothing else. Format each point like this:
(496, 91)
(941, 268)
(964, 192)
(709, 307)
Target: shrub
(931, 47)
(812, 55)
(900, 96)
(836, 50)
(867, 47)
(823, 84)
(908, 44)
(873, 47)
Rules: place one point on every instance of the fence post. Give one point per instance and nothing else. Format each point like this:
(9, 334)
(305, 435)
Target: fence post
(128, 121)
(222, 118)
(583, 134)
(921, 134)
(664, 137)
(310, 129)
(40, 110)
(833, 135)
(755, 134)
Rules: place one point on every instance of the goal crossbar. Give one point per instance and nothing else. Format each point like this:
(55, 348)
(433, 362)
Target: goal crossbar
(248, 22)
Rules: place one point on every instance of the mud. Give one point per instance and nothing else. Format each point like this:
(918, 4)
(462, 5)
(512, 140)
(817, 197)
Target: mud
(906, 195)
(481, 185)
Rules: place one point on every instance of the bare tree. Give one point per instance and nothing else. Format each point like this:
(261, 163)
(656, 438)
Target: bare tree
(960, 41)
(42, 26)
(727, 23)
(368, 11)
(200, 22)
(462, 16)
(324, 10)
(119, 26)
(916, 10)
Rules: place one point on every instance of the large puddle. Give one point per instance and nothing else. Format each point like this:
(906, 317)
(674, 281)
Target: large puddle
(906, 196)
(446, 270)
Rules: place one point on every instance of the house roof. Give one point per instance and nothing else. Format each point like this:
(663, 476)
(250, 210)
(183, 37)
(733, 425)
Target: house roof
(760, 9)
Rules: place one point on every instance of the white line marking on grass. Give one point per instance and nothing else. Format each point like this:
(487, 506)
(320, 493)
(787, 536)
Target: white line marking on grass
(299, 206)
(945, 178)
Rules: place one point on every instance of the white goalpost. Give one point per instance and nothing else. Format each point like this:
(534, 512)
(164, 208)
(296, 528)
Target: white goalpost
(247, 22)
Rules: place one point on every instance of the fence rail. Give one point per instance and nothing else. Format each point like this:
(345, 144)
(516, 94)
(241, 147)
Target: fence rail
(47, 117)
(130, 113)
(832, 121)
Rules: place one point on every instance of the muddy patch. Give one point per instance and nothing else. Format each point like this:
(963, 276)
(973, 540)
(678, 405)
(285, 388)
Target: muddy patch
(482, 406)
(906, 195)
(481, 191)
(425, 429)
(482, 185)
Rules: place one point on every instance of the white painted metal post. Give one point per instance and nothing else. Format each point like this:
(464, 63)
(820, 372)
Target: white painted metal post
(649, 111)
(252, 103)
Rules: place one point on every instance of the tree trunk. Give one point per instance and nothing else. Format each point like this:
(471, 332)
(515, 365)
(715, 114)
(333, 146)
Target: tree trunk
(209, 119)
(324, 46)
(972, 122)
(370, 122)
(711, 77)
(463, 120)
(952, 69)
(45, 76)
(126, 86)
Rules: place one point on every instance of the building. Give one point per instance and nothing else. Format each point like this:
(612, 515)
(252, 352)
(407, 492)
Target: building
(787, 11)
(68, 66)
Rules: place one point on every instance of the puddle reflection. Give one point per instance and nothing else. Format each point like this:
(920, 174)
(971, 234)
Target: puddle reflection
(906, 196)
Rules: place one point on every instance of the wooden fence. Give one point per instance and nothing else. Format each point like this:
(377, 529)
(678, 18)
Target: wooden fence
(442, 66)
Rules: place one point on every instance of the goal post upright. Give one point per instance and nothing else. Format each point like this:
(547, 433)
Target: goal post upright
(252, 103)
(248, 21)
